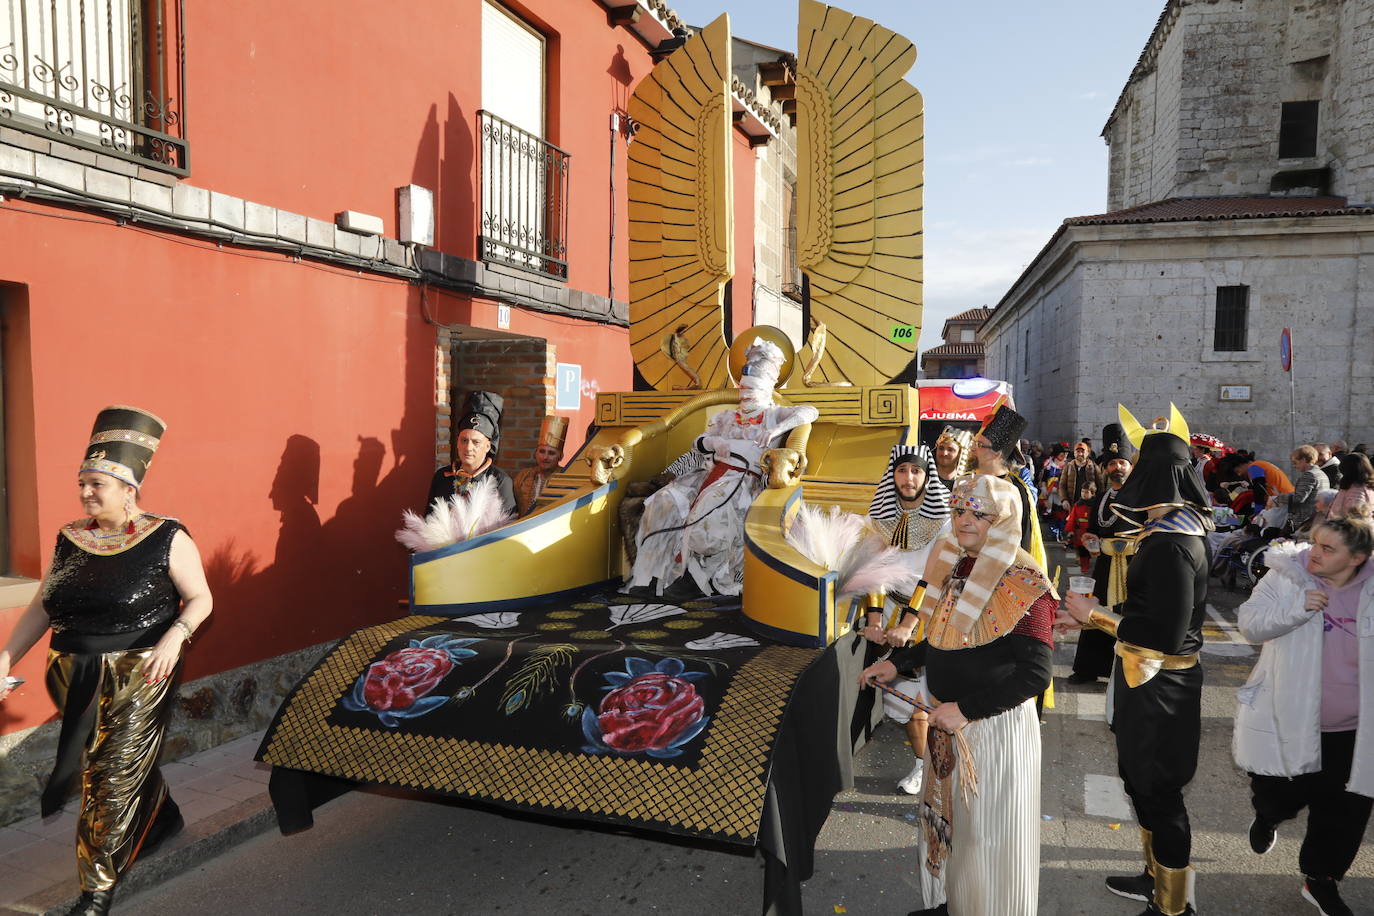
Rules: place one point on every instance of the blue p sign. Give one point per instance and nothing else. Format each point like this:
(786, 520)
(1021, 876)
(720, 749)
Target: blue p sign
(568, 386)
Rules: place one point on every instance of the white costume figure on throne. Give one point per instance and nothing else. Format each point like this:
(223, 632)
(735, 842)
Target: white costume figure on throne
(695, 525)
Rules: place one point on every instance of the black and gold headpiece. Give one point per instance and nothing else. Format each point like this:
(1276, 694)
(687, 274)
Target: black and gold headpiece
(483, 413)
(1115, 444)
(1003, 429)
(123, 441)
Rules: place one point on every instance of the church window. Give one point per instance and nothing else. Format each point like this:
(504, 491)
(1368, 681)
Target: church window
(1233, 308)
(1298, 130)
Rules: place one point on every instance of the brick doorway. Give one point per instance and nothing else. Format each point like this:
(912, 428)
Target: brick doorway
(520, 369)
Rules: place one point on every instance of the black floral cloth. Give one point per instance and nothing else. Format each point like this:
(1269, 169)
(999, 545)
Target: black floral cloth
(647, 713)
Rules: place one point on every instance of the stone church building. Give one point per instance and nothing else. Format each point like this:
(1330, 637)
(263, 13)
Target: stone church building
(1241, 202)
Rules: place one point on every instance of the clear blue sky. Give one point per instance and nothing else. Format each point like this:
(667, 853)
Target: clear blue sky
(1016, 96)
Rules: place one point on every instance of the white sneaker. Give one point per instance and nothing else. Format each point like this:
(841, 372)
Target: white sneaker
(911, 783)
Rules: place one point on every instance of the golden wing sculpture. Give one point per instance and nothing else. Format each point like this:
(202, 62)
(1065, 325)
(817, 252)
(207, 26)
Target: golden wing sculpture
(681, 220)
(861, 165)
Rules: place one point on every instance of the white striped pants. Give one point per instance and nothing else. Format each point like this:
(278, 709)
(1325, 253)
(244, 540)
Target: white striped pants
(993, 867)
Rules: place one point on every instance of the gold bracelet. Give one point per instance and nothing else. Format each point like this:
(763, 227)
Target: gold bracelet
(185, 628)
(1104, 620)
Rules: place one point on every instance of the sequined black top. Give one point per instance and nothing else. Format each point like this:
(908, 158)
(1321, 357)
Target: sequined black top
(118, 593)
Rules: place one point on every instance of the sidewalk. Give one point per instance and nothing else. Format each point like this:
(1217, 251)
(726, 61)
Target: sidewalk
(223, 797)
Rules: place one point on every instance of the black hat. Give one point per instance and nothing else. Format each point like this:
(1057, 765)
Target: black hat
(482, 412)
(1003, 429)
(1163, 476)
(123, 441)
(1115, 444)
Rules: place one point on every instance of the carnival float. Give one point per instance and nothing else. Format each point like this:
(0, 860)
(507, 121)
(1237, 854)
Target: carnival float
(529, 673)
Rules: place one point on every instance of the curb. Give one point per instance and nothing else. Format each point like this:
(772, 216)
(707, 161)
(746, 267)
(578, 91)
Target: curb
(195, 845)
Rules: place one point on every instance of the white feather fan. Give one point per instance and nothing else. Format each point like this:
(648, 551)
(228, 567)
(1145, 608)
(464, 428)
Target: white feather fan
(842, 542)
(461, 516)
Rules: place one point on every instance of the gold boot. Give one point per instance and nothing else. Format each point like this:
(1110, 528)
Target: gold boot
(1141, 886)
(1173, 891)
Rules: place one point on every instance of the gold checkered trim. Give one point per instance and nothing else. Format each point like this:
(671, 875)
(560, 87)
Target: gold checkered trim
(722, 796)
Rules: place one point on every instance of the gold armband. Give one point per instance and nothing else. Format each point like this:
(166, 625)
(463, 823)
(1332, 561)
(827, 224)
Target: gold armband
(1105, 621)
(917, 596)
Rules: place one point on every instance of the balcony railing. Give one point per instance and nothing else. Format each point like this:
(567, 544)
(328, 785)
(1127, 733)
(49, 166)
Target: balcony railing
(104, 75)
(524, 192)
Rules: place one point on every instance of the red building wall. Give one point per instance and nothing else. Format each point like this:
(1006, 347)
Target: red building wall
(336, 104)
(300, 397)
(300, 407)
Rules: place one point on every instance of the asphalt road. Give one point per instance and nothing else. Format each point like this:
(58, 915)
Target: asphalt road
(373, 852)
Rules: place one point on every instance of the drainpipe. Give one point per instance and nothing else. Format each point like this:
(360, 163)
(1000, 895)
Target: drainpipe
(610, 257)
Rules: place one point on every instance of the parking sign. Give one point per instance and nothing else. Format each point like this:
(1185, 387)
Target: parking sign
(568, 386)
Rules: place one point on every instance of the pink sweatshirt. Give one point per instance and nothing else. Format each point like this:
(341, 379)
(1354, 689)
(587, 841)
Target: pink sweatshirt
(1341, 654)
(1351, 497)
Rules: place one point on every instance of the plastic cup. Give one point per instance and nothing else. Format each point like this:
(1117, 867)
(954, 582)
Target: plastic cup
(1082, 585)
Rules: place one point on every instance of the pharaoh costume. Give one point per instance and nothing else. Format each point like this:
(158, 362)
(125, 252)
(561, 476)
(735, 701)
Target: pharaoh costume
(913, 532)
(110, 599)
(529, 482)
(1093, 659)
(988, 647)
(694, 526)
(1157, 686)
(482, 413)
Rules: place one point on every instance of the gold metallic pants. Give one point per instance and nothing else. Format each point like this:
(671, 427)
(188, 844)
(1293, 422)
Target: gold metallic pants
(122, 788)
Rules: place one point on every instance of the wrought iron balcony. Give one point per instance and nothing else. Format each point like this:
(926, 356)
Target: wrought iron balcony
(104, 75)
(524, 199)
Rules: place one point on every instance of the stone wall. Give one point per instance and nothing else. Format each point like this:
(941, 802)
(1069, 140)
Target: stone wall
(1144, 143)
(1130, 311)
(521, 370)
(771, 307)
(208, 712)
(1045, 375)
(1351, 145)
(1231, 98)
(1201, 114)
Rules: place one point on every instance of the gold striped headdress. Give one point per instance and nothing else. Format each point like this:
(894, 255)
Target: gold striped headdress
(122, 444)
(961, 439)
(553, 432)
(994, 496)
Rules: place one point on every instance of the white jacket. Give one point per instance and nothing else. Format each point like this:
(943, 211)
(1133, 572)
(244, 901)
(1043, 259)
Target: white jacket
(1278, 717)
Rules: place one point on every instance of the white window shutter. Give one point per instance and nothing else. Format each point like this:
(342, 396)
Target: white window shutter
(512, 69)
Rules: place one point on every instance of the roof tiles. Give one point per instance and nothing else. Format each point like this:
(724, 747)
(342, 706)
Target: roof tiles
(955, 349)
(1184, 209)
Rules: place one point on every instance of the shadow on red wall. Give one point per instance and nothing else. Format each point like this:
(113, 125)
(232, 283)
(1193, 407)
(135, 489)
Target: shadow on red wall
(328, 575)
(445, 163)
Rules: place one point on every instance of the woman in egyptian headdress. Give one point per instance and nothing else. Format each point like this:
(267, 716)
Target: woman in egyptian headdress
(123, 596)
